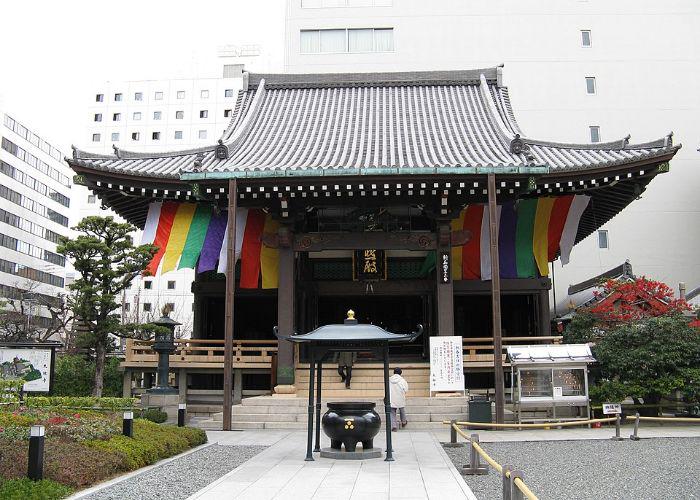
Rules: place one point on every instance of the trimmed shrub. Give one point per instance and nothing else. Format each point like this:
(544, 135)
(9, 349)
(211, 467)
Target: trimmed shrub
(25, 489)
(80, 402)
(151, 442)
(154, 415)
(75, 376)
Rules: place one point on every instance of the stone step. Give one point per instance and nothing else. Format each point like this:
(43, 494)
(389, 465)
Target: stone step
(349, 396)
(331, 386)
(361, 394)
(240, 410)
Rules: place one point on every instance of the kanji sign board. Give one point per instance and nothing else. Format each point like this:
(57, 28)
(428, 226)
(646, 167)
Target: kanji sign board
(446, 364)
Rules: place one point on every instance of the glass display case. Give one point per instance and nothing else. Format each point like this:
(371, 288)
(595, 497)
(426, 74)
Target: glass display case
(550, 382)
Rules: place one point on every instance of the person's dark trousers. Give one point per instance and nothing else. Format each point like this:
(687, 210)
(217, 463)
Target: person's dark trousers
(348, 376)
(345, 373)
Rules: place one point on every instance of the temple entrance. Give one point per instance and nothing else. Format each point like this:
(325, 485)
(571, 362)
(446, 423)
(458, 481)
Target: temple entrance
(255, 316)
(518, 315)
(398, 314)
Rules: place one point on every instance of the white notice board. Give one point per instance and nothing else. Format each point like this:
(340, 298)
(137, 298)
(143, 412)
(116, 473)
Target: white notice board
(446, 364)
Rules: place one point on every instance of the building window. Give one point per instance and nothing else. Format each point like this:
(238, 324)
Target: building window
(147, 284)
(179, 115)
(92, 199)
(135, 136)
(590, 85)
(115, 136)
(228, 93)
(204, 94)
(180, 94)
(137, 115)
(595, 133)
(347, 40)
(159, 96)
(178, 134)
(126, 306)
(171, 285)
(227, 113)
(116, 117)
(138, 96)
(585, 38)
(96, 137)
(117, 97)
(146, 307)
(99, 98)
(202, 134)
(603, 238)
(156, 115)
(204, 113)
(98, 117)
(155, 136)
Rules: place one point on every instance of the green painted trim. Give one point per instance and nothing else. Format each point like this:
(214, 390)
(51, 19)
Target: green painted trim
(408, 171)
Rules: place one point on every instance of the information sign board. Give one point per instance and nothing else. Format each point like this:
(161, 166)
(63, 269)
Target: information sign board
(446, 364)
(32, 365)
(612, 408)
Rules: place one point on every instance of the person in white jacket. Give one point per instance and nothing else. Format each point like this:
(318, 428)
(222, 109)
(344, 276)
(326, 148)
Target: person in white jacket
(398, 387)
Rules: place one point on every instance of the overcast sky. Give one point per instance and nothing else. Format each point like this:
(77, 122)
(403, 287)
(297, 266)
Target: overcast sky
(54, 54)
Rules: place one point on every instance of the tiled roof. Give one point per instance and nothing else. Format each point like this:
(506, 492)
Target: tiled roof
(419, 122)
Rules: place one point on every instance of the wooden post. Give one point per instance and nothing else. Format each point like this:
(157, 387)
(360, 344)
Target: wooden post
(285, 316)
(496, 299)
(544, 323)
(445, 291)
(230, 289)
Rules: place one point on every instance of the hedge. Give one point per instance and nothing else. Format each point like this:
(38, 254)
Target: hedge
(75, 376)
(151, 442)
(25, 489)
(88, 402)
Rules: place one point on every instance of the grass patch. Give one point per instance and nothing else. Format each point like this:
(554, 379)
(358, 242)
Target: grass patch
(24, 489)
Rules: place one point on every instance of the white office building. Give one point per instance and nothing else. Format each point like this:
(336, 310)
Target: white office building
(35, 204)
(578, 70)
(156, 116)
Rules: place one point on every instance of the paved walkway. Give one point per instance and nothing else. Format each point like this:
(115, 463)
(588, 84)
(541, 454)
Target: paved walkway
(421, 470)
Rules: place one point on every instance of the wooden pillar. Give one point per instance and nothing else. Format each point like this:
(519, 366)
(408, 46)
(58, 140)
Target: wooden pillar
(544, 314)
(182, 384)
(126, 384)
(230, 289)
(496, 299)
(238, 386)
(285, 316)
(445, 292)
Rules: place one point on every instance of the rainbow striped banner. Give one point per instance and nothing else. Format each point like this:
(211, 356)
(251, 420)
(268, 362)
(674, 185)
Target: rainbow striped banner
(530, 233)
(189, 235)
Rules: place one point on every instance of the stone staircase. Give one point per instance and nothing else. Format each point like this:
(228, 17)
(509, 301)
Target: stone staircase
(367, 380)
(268, 412)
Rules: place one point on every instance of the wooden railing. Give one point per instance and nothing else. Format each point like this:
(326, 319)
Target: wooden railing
(203, 353)
(479, 351)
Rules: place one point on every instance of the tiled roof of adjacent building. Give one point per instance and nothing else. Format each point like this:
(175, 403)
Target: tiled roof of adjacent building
(373, 123)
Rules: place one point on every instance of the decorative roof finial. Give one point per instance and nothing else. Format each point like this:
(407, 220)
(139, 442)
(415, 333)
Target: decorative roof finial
(668, 141)
(351, 314)
(116, 151)
(75, 151)
(221, 151)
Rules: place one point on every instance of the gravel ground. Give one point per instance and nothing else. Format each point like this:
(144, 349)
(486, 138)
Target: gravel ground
(658, 468)
(181, 477)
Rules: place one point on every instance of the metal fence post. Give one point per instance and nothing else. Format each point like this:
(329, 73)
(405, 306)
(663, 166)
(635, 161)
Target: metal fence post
(635, 434)
(474, 466)
(505, 481)
(515, 493)
(617, 436)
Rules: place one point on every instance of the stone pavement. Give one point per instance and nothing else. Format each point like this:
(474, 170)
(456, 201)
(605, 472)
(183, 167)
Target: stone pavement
(421, 470)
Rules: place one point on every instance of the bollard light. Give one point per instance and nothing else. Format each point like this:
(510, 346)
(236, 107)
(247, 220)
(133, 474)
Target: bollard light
(181, 413)
(35, 468)
(128, 424)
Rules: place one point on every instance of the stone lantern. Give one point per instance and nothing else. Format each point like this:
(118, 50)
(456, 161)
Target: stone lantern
(164, 345)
